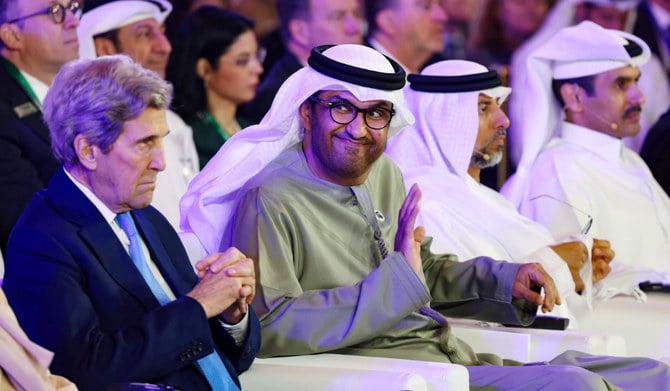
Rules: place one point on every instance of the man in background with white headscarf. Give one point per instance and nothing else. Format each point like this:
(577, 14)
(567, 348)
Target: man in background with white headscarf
(589, 75)
(309, 195)
(460, 130)
(135, 28)
(609, 14)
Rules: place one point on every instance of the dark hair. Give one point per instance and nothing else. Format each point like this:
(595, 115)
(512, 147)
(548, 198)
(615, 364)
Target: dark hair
(291, 9)
(206, 33)
(586, 82)
(372, 8)
(5, 7)
(112, 35)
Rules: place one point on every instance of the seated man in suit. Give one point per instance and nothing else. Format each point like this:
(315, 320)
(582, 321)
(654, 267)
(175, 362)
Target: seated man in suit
(135, 28)
(116, 305)
(32, 48)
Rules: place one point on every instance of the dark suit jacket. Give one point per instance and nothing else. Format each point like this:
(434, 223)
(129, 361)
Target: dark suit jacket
(647, 29)
(280, 71)
(26, 160)
(655, 151)
(76, 292)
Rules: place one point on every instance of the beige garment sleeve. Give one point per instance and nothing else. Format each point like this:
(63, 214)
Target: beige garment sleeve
(24, 364)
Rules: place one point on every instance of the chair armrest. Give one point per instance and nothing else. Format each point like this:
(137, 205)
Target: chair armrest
(337, 371)
(528, 345)
(644, 326)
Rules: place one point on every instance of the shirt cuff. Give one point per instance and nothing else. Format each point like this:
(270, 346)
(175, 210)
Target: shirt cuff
(237, 331)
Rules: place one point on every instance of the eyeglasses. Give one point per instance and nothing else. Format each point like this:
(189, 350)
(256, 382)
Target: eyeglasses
(245, 61)
(56, 11)
(344, 112)
(589, 218)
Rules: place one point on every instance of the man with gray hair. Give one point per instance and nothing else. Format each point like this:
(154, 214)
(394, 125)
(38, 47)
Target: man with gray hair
(97, 275)
(135, 28)
(310, 196)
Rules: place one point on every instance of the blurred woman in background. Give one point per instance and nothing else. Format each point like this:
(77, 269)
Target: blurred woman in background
(215, 66)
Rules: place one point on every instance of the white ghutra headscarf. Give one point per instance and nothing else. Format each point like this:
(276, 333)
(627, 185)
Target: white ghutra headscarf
(212, 196)
(582, 50)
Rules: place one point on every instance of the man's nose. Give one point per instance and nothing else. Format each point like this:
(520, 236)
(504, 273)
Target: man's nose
(636, 96)
(358, 128)
(438, 13)
(502, 121)
(158, 159)
(161, 44)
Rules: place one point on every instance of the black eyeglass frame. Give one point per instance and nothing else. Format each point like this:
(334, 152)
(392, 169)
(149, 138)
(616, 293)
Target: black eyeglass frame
(74, 6)
(356, 110)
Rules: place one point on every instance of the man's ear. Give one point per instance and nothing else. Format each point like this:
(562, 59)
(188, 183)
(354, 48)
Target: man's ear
(572, 97)
(305, 113)
(104, 46)
(11, 36)
(86, 153)
(299, 32)
(387, 21)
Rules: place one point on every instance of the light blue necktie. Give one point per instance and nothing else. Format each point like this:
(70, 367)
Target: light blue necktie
(211, 365)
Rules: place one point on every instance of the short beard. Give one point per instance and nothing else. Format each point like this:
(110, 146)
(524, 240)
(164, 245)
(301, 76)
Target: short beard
(494, 159)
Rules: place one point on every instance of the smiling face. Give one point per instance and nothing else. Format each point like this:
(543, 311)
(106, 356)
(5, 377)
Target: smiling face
(616, 104)
(124, 177)
(237, 73)
(145, 42)
(341, 154)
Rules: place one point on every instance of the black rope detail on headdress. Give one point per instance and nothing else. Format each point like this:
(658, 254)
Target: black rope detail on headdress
(633, 49)
(360, 76)
(462, 83)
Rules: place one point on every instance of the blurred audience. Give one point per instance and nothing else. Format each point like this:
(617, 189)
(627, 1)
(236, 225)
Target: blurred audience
(182, 8)
(33, 47)
(214, 68)
(409, 31)
(655, 151)
(266, 25)
(501, 26)
(652, 24)
(460, 15)
(305, 24)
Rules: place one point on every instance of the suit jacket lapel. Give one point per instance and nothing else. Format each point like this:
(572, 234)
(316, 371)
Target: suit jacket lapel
(159, 254)
(98, 235)
(16, 97)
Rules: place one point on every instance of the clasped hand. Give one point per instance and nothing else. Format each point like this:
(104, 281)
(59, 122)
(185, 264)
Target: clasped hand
(227, 284)
(574, 254)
